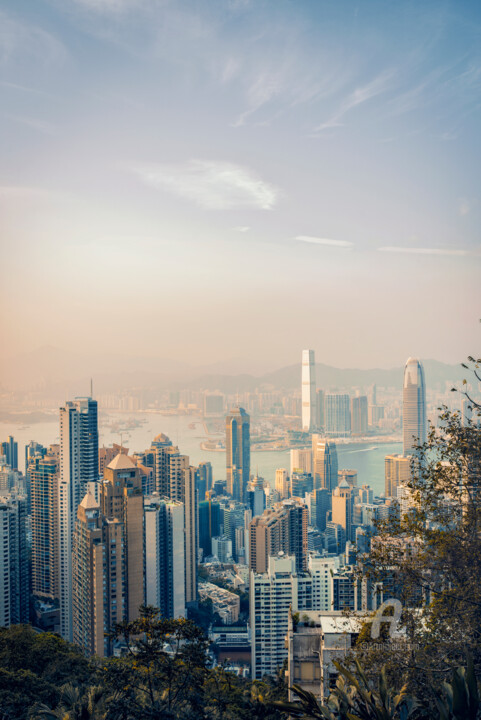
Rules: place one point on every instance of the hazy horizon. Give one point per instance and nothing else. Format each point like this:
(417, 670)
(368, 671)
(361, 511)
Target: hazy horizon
(236, 181)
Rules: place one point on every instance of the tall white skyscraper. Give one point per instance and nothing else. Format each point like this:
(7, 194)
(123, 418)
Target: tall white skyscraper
(309, 401)
(79, 471)
(414, 406)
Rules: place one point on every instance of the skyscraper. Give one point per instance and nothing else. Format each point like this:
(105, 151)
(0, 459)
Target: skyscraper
(282, 528)
(191, 527)
(44, 475)
(359, 415)
(10, 450)
(397, 471)
(337, 414)
(308, 389)
(121, 498)
(79, 466)
(414, 406)
(238, 452)
(165, 556)
(14, 564)
(324, 463)
(98, 581)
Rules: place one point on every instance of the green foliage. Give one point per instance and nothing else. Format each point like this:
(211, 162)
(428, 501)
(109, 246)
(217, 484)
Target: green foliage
(165, 673)
(32, 668)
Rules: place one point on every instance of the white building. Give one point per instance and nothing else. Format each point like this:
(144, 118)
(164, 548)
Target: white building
(79, 463)
(165, 556)
(308, 390)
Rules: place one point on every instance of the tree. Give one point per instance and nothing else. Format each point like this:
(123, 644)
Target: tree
(430, 558)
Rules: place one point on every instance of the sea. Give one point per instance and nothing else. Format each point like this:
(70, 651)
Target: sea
(188, 432)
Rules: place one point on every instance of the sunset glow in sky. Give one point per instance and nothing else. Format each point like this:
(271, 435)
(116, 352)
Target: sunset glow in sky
(235, 179)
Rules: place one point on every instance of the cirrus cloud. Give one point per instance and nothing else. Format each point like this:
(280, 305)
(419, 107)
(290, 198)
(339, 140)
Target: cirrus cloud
(422, 251)
(324, 241)
(212, 185)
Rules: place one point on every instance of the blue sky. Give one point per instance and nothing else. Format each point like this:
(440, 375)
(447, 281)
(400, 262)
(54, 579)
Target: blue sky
(241, 179)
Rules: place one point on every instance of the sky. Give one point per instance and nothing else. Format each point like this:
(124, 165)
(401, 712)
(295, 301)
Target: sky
(215, 180)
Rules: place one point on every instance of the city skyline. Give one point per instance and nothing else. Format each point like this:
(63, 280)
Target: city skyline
(327, 149)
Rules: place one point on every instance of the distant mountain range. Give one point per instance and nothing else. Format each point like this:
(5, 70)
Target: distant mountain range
(59, 371)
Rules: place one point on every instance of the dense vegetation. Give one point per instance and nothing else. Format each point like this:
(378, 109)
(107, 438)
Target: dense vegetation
(166, 673)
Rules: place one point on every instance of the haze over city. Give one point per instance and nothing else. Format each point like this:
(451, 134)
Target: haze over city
(229, 182)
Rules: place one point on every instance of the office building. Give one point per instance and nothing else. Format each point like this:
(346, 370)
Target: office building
(9, 450)
(320, 410)
(79, 469)
(359, 415)
(165, 556)
(256, 496)
(301, 460)
(324, 463)
(44, 477)
(414, 406)
(238, 453)
(397, 471)
(308, 391)
(337, 414)
(282, 483)
(204, 479)
(121, 498)
(98, 581)
(209, 525)
(301, 483)
(342, 508)
(14, 561)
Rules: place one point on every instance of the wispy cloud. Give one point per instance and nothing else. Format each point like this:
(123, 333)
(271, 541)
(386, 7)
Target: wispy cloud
(359, 96)
(18, 40)
(211, 185)
(41, 126)
(324, 241)
(422, 251)
(242, 228)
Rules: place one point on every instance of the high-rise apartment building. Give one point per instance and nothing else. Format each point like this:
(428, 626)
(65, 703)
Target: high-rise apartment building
(308, 390)
(324, 463)
(276, 592)
(165, 556)
(107, 454)
(359, 415)
(121, 498)
(414, 406)
(204, 479)
(397, 471)
(44, 477)
(79, 466)
(191, 525)
(177, 464)
(281, 528)
(238, 453)
(337, 414)
(14, 561)
(98, 581)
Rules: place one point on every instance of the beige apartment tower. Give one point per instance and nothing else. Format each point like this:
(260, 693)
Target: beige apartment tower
(283, 527)
(97, 582)
(121, 498)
